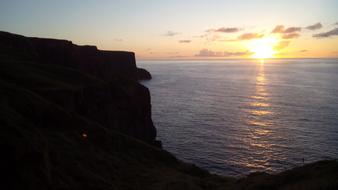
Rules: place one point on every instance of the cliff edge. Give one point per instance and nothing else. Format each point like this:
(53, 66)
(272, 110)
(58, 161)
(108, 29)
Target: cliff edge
(119, 103)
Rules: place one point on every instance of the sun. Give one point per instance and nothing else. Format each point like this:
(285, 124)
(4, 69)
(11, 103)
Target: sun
(263, 48)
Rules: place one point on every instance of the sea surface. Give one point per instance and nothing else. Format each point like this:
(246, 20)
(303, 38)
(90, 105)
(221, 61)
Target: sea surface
(234, 117)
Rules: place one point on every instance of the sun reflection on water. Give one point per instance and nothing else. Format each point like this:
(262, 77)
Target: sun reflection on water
(260, 112)
(258, 122)
(259, 104)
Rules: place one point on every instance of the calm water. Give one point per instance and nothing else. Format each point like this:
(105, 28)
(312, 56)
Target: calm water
(238, 116)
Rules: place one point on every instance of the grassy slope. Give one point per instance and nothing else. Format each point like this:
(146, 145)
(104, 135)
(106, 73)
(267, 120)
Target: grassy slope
(43, 145)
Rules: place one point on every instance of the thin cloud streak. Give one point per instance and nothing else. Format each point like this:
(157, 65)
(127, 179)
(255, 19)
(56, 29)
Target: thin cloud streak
(292, 29)
(315, 26)
(330, 33)
(184, 41)
(225, 30)
(170, 33)
(281, 29)
(209, 53)
(250, 36)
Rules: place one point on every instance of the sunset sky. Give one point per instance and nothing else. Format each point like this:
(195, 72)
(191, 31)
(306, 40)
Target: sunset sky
(183, 29)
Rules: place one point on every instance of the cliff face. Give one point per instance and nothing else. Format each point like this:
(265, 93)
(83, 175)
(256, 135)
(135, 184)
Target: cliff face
(103, 64)
(143, 74)
(44, 145)
(121, 103)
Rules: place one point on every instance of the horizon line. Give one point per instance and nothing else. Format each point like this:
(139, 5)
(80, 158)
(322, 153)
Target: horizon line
(221, 59)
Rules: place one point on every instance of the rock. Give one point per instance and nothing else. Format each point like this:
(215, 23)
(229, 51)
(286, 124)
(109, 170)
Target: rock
(158, 144)
(143, 74)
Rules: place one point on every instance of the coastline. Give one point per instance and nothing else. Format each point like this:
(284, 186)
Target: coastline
(74, 117)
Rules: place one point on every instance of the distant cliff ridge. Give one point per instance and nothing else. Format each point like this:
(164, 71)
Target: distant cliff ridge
(120, 102)
(103, 64)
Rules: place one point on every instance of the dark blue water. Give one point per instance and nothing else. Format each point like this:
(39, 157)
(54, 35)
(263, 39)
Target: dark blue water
(239, 116)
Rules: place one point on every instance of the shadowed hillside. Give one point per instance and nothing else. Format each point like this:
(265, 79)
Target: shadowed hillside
(74, 117)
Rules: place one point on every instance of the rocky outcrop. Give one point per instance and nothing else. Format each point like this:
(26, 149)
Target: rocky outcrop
(120, 102)
(143, 74)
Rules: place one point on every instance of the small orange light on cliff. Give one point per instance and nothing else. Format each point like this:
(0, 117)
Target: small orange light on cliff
(84, 135)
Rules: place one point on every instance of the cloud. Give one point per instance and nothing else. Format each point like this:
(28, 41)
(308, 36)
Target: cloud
(225, 30)
(250, 36)
(303, 50)
(184, 41)
(212, 35)
(245, 36)
(281, 29)
(315, 26)
(290, 36)
(330, 33)
(170, 33)
(237, 54)
(278, 29)
(289, 33)
(209, 53)
(292, 29)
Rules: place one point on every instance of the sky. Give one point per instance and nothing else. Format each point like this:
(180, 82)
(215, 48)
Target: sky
(183, 29)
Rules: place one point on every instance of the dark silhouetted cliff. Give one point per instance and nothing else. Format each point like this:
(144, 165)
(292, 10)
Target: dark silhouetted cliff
(143, 74)
(120, 103)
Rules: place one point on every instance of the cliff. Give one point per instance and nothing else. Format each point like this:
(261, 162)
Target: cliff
(120, 102)
(143, 74)
(64, 125)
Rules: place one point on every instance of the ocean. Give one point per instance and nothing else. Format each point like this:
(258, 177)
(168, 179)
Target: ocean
(234, 117)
